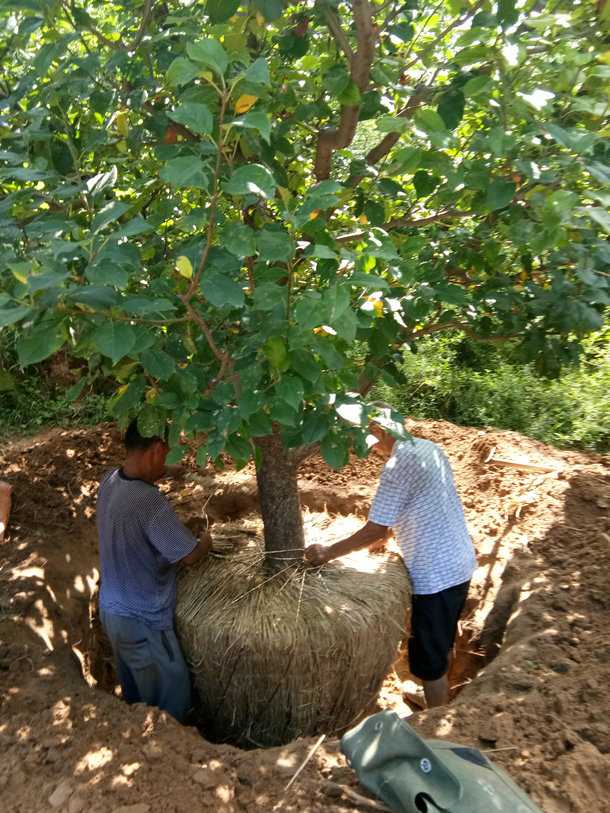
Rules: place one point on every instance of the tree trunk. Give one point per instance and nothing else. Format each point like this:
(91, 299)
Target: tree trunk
(280, 505)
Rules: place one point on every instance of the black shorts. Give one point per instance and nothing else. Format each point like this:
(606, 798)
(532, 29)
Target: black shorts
(434, 620)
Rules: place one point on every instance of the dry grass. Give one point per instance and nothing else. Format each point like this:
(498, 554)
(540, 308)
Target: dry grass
(298, 652)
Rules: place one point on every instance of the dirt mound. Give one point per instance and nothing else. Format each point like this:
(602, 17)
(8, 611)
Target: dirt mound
(530, 676)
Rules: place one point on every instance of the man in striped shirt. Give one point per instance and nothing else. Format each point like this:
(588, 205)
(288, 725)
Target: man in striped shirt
(417, 497)
(141, 544)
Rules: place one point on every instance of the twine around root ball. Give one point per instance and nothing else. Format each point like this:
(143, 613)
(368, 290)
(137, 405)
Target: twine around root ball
(294, 653)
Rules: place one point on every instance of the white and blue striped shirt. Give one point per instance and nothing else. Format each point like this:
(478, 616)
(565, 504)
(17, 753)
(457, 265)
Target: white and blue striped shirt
(417, 497)
(141, 540)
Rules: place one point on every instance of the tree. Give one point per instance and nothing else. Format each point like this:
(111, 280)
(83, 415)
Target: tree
(240, 212)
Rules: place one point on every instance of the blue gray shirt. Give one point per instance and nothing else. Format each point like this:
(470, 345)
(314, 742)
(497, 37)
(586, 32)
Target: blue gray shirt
(417, 497)
(141, 540)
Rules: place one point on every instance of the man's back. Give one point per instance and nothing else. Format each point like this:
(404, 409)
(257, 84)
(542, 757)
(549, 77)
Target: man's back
(140, 540)
(418, 498)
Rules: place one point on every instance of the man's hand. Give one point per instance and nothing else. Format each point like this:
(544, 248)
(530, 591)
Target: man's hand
(202, 549)
(205, 540)
(316, 555)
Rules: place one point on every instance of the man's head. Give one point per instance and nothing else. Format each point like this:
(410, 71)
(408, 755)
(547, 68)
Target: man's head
(385, 441)
(146, 456)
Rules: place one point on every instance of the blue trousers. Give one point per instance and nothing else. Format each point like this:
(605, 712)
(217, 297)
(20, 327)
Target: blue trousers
(150, 664)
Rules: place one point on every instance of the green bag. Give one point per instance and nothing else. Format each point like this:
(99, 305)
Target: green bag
(412, 775)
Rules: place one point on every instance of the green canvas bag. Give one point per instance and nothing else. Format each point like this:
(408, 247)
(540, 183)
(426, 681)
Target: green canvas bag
(413, 775)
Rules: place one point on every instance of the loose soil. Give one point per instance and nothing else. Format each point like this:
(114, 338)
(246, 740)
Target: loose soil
(530, 677)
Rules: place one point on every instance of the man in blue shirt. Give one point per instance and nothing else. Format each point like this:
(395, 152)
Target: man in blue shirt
(417, 497)
(141, 544)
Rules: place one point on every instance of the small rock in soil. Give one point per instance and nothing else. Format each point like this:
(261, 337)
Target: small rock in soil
(205, 777)
(77, 804)
(61, 794)
(225, 793)
(152, 750)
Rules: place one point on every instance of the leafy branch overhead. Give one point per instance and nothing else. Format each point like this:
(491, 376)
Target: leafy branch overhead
(241, 212)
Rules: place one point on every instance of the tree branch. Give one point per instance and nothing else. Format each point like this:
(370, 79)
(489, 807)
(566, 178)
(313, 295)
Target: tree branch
(333, 23)
(458, 21)
(213, 209)
(330, 138)
(148, 8)
(406, 222)
(224, 358)
(385, 145)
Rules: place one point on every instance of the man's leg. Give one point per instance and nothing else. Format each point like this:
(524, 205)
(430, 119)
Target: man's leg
(150, 665)
(175, 689)
(434, 620)
(137, 669)
(436, 692)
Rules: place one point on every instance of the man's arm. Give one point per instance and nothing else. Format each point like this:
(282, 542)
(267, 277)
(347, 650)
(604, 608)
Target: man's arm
(369, 533)
(201, 549)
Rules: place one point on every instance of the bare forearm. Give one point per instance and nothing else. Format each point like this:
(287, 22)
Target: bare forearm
(368, 534)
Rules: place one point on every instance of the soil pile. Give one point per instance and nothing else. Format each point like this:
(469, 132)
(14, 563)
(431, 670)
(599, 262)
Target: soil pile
(530, 676)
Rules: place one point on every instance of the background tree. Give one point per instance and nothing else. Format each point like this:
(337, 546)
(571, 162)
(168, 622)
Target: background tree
(240, 212)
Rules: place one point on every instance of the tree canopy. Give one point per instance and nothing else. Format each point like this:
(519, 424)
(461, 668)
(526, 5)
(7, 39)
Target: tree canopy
(240, 212)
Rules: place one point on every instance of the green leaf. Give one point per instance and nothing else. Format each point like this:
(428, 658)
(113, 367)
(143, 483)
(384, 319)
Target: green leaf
(476, 86)
(580, 141)
(104, 180)
(335, 451)
(40, 342)
(144, 306)
(429, 120)
(507, 14)
(499, 194)
(270, 9)
(425, 183)
(111, 212)
(239, 240)
(74, 392)
(7, 381)
(187, 171)
(290, 389)
(251, 179)
(275, 352)
(94, 296)
(375, 212)
(305, 365)
(315, 427)
(406, 160)
(151, 421)
(274, 244)
(322, 252)
(350, 97)
(599, 215)
(196, 117)
(210, 53)
(256, 120)
(159, 364)
(451, 108)
(11, 316)
(258, 72)
(134, 227)
(336, 80)
(221, 291)
(219, 11)
(370, 282)
(114, 340)
(391, 124)
(239, 449)
(181, 72)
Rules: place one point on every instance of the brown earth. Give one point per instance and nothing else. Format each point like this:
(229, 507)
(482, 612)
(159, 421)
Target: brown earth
(531, 672)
